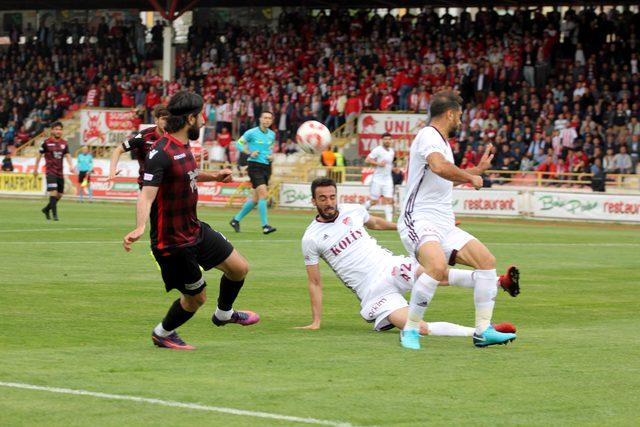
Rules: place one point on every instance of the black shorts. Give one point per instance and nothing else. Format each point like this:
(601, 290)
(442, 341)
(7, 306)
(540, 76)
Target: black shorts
(55, 183)
(181, 268)
(259, 174)
(82, 175)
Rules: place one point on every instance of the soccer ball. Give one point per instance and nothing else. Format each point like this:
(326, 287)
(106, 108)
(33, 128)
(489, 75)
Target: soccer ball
(313, 137)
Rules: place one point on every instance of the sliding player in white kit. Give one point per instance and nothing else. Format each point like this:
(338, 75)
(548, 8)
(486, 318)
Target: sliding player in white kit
(382, 182)
(427, 224)
(374, 274)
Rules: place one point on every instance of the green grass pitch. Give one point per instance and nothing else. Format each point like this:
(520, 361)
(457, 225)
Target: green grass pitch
(76, 311)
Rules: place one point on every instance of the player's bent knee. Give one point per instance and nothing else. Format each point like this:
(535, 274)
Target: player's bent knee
(200, 299)
(488, 262)
(437, 271)
(193, 302)
(241, 271)
(238, 269)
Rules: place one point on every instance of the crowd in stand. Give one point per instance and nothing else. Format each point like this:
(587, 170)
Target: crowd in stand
(553, 92)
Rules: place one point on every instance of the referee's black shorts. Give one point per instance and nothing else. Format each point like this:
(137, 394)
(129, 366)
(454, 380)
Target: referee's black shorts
(259, 174)
(82, 175)
(180, 268)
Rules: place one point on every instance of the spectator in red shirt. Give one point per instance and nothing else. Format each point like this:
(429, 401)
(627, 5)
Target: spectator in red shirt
(352, 109)
(387, 101)
(333, 120)
(151, 100)
(93, 96)
(127, 99)
(402, 85)
(224, 140)
(492, 103)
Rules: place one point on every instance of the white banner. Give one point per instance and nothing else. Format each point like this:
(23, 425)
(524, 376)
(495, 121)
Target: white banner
(402, 127)
(106, 126)
(299, 195)
(486, 202)
(611, 207)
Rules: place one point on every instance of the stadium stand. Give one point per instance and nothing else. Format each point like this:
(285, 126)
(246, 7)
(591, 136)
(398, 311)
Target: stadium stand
(552, 92)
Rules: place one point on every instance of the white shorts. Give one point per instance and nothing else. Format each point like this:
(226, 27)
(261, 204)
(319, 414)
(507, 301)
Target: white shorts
(387, 294)
(416, 233)
(381, 188)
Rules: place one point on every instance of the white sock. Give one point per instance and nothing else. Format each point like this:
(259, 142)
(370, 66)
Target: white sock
(462, 278)
(223, 315)
(160, 331)
(484, 296)
(388, 212)
(446, 329)
(421, 295)
(367, 204)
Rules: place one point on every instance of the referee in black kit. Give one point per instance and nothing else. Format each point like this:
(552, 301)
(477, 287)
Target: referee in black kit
(179, 241)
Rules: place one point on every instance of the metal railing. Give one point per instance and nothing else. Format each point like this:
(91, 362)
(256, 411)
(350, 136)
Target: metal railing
(354, 174)
(544, 179)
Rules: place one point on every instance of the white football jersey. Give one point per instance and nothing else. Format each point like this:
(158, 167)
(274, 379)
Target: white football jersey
(381, 154)
(345, 245)
(428, 195)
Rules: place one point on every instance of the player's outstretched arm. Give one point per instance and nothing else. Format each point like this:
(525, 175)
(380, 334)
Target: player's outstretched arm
(223, 175)
(447, 170)
(113, 165)
(377, 223)
(315, 294)
(143, 208)
(485, 161)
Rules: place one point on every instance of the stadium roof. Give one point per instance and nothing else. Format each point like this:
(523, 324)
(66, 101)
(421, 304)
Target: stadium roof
(187, 4)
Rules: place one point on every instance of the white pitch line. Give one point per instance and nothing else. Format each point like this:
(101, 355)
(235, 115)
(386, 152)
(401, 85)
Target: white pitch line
(174, 404)
(31, 230)
(112, 242)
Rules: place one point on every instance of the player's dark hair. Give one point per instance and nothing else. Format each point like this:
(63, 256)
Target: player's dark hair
(267, 112)
(322, 182)
(182, 105)
(160, 111)
(443, 102)
(56, 125)
(386, 134)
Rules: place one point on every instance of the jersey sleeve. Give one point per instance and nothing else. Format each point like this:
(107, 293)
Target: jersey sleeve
(363, 213)
(133, 143)
(43, 147)
(310, 251)
(244, 139)
(428, 144)
(65, 150)
(155, 165)
(373, 155)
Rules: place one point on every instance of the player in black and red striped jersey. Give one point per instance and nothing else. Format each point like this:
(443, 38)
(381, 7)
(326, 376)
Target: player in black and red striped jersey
(180, 242)
(54, 150)
(141, 143)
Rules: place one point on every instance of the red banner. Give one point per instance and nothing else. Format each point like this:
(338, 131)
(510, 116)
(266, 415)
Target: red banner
(208, 192)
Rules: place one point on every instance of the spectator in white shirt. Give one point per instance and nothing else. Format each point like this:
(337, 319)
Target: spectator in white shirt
(622, 161)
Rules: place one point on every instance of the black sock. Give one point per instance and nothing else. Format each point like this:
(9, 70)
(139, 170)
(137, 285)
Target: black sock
(48, 207)
(176, 316)
(229, 291)
(53, 205)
